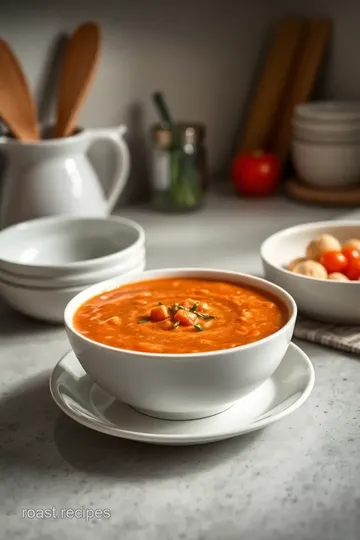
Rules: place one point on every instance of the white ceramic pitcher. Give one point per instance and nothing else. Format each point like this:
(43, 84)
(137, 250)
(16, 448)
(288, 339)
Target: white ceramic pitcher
(55, 176)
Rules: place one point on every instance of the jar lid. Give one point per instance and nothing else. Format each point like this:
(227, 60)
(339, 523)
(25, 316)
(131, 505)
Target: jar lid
(190, 132)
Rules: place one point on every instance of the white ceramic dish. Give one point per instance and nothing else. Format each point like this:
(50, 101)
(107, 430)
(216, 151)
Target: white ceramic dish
(181, 386)
(316, 132)
(327, 165)
(330, 301)
(62, 245)
(41, 303)
(82, 400)
(132, 264)
(328, 111)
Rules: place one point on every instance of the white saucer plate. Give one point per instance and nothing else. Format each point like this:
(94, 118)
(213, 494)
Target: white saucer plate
(82, 400)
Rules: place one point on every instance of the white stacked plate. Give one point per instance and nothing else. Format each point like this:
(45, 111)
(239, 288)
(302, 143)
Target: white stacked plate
(46, 262)
(326, 143)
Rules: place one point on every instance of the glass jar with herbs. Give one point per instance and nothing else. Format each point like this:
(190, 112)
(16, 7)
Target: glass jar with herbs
(178, 166)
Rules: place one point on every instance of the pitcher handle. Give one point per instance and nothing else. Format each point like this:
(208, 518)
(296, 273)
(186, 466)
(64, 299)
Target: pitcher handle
(115, 137)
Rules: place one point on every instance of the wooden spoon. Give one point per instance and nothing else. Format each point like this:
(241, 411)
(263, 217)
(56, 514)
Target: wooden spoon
(17, 107)
(78, 70)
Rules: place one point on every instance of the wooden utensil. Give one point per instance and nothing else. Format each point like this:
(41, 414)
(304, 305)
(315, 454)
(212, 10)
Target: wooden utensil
(272, 83)
(79, 66)
(309, 60)
(296, 189)
(17, 107)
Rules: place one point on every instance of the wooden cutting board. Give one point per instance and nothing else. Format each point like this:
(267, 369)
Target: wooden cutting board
(309, 60)
(296, 189)
(271, 86)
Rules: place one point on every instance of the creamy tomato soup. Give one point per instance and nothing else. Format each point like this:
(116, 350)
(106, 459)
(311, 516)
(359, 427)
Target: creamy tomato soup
(180, 315)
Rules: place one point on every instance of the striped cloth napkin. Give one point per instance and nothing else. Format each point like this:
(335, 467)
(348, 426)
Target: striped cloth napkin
(344, 338)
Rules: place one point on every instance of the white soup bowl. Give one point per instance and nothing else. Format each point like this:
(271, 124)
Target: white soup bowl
(45, 304)
(328, 112)
(315, 132)
(181, 386)
(327, 165)
(83, 280)
(66, 246)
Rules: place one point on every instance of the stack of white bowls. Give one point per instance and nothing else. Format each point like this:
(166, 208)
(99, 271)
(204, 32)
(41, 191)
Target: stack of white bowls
(46, 262)
(326, 143)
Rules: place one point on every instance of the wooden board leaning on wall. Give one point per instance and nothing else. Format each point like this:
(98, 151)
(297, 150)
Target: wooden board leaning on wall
(291, 68)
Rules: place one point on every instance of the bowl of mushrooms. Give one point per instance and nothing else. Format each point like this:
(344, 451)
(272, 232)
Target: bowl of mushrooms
(319, 265)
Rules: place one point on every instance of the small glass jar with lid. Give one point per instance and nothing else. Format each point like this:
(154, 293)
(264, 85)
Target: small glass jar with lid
(179, 168)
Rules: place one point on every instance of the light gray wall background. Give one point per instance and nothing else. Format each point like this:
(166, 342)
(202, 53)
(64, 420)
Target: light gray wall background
(204, 54)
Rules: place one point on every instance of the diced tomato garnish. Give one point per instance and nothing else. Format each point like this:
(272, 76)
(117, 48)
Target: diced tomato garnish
(202, 307)
(199, 306)
(188, 304)
(166, 325)
(185, 318)
(159, 313)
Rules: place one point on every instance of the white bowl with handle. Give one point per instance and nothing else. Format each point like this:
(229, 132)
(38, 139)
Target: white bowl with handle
(325, 300)
(181, 386)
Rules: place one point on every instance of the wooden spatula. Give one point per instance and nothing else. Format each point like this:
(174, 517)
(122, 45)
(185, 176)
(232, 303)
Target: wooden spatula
(78, 70)
(17, 107)
(308, 64)
(271, 85)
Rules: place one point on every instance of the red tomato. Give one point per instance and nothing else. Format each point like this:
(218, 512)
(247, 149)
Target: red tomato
(256, 174)
(334, 261)
(351, 253)
(353, 270)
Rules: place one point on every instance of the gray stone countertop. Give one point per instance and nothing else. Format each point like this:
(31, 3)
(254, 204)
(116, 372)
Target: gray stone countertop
(298, 478)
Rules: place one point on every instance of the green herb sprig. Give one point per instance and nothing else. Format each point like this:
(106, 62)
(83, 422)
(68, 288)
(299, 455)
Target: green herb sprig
(204, 316)
(176, 307)
(144, 320)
